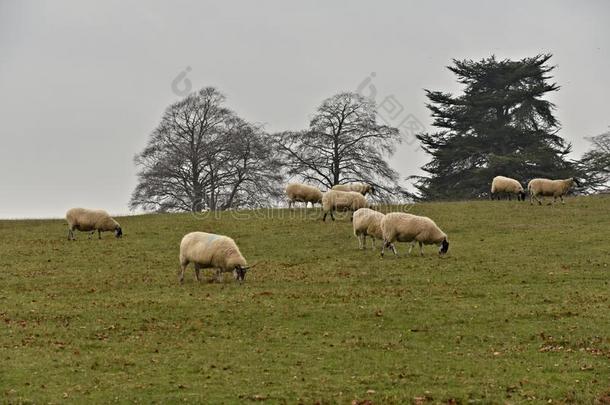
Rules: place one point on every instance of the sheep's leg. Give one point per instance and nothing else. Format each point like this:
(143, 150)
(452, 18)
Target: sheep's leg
(535, 197)
(70, 234)
(99, 234)
(182, 268)
(197, 270)
(510, 198)
(421, 248)
(332, 216)
(91, 234)
(390, 245)
(411, 246)
(218, 275)
(324, 217)
(561, 198)
(361, 241)
(372, 242)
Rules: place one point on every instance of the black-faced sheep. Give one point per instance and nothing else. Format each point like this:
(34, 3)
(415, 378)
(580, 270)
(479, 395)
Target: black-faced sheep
(550, 188)
(85, 220)
(361, 188)
(334, 200)
(367, 222)
(501, 184)
(303, 193)
(208, 250)
(402, 227)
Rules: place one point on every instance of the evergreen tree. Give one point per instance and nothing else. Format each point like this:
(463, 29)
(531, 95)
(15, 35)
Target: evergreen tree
(500, 125)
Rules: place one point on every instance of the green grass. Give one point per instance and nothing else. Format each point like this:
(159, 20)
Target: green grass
(518, 311)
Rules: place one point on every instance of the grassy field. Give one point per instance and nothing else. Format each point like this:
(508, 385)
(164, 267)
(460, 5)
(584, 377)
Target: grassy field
(518, 311)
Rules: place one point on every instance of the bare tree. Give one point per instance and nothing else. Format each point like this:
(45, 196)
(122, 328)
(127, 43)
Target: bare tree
(344, 143)
(203, 157)
(595, 163)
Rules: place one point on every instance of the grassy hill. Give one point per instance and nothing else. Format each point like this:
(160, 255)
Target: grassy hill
(517, 311)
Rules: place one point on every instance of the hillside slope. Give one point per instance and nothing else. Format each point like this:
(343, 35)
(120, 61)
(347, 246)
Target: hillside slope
(517, 311)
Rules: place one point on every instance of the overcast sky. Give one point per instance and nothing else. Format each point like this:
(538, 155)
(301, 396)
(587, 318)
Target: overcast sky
(83, 83)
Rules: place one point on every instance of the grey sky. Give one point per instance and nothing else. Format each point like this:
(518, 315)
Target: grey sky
(82, 83)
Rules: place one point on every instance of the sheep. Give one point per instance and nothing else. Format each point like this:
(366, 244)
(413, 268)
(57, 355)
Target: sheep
(367, 222)
(547, 187)
(86, 220)
(303, 193)
(501, 184)
(402, 227)
(208, 250)
(361, 188)
(334, 200)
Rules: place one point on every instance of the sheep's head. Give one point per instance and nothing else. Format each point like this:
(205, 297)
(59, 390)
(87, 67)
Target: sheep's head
(522, 195)
(444, 247)
(239, 273)
(371, 189)
(575, 180)
(118, 232)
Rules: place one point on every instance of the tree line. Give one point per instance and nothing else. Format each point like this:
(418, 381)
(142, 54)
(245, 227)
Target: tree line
(203, 156)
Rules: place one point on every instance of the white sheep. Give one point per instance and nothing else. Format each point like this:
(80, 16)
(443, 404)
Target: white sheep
(402, 227)
(85, 220)
(303, 193)
(501, 184)
(548, 188)
(334, 200)
(361, 188)
(208, 250)
(367, 222)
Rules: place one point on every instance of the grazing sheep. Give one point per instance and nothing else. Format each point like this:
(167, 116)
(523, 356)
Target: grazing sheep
(86, 220)
(401, 227)
(501, 184)
(548, 188)
(334, 200)
(207, 250)
(303, 193)
(361, 188)
(367, 222)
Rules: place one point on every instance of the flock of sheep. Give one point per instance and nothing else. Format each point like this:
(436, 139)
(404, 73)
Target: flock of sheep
(206, 250)
(536, 188)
